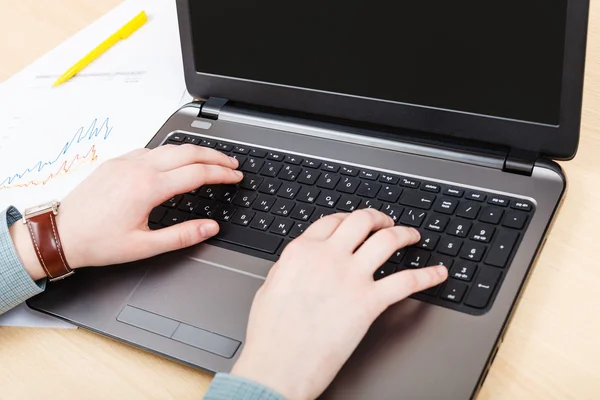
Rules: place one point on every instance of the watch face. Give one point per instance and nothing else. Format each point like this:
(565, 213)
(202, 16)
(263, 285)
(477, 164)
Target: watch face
(42, 208)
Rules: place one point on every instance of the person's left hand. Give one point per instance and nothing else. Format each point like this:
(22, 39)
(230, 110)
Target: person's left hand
(105, 219)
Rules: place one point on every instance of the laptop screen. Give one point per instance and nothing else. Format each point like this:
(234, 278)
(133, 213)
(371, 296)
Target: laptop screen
(502, 59)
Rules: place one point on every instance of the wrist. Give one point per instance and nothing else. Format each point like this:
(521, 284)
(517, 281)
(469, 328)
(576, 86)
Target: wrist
(26, 251)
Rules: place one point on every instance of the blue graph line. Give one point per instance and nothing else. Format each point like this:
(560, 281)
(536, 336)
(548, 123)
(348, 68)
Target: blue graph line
(82, 134)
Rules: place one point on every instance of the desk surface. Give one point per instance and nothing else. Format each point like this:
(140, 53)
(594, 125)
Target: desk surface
(550, 350)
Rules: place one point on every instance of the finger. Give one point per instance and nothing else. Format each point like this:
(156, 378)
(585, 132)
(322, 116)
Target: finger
(383, 244)
(399, 286)
(175, 237)
(323, 228)
(190, 177)
(169, 157)
(357, 227)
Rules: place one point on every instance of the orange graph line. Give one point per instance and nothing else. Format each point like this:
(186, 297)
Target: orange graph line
(65, 167)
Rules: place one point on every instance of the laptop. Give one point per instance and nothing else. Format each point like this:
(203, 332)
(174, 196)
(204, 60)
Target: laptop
(447, 116)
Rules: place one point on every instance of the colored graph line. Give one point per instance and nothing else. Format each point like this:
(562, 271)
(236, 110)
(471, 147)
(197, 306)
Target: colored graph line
(93, 131)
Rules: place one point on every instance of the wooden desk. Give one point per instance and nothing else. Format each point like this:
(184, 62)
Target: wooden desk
(551, 350)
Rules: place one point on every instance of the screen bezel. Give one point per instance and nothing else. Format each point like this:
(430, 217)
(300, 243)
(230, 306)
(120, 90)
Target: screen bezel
(557, 142)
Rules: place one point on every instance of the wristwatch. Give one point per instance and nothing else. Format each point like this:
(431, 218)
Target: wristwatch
(41, 222)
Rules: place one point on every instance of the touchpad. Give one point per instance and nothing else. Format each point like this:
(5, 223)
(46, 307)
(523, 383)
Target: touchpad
(197, 294)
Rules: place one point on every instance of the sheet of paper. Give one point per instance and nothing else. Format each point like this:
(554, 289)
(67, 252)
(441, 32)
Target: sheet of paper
(52, 138)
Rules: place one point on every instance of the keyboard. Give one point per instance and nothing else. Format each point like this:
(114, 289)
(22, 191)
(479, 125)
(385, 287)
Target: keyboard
(474, 233)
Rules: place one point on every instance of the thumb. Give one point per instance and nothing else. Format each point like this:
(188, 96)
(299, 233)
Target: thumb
(179, 236)
(399, 286)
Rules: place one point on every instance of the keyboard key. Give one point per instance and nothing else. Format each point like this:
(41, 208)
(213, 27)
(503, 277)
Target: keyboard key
(413, 198)
(389, 193)
(328, 181)
(251, 182)
(308, 194)
(243, 217)
(224, 212)
(298, 229)
(208, 192)
(348, 203)
(308, 177)
(252, 165)
(446, 205)
(389, 179)
(194, 192)
(192, 140)
(260, 222)
(226, 193)
(476, 196)
(473, 251)
(177, 137)
(245, 198)
(441, 260)
(454, 192)
(174, 217)
(502, 248)
(450, 246)
(413, 217)
(205, 208)
(464, 270)
(283, 207)
(370, 175)
(348, 185)
(260, 153)
(311, 163)
(331, 167)
(157, 215)
(397, 257)
(482, 233)
(522, 205)
(270, 169)
(513, 219)
(491, 215)
(302, 212)
(283, 246)
(454, 291)
(434, 291)
(483, 287)
(269, 186)
(411, 183)
(288, 190)
(321, 213)
(224, 147)
(257, 241)
(498, 200)
(368, 189)
(173, 202)
(188, 203)
(275, 156)
(328, 199)
(293, 160)
(370, 203)
(428, 241)
(264, 203)
(208, 143)
(281, 226)
(153, 227)
(430, 187)
(416, 258)
(350, 171)
(468, 210)
(241, 160)
(241, 150)
(437, 223)
(386, 269)
(290, 173)
(393, 211)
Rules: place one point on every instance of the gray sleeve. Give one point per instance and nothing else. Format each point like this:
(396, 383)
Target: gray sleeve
(230, 387)
(16, 285)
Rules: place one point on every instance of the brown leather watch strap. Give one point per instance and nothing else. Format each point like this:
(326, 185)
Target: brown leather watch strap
(48, 247)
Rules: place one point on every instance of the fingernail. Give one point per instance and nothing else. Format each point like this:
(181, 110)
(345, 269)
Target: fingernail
(442, 271)
(239, 174)
(234, 161)
(209, 229)
(417, 233)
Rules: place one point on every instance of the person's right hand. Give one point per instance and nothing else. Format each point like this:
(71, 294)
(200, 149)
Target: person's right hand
(320, 299)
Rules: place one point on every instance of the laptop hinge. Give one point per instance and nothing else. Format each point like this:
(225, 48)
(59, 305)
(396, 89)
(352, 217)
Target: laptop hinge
(520, 162)
(212, 107)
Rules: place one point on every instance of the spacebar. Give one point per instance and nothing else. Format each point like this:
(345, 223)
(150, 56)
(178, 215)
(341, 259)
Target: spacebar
(248, 238)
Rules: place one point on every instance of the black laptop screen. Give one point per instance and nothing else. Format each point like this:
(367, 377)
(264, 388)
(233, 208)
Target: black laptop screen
(500, 58)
